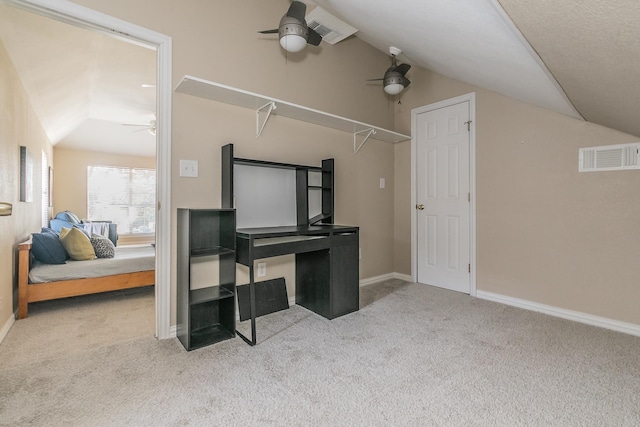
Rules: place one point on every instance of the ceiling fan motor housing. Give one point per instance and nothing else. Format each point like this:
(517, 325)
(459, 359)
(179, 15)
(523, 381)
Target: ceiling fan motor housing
(394, 77)
(290, 26)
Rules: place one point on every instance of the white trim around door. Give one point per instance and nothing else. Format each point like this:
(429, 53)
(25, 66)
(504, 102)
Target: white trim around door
(81, 16)
(471, 98)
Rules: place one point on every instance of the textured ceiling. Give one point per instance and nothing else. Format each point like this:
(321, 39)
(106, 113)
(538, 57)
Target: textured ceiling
(592, 47)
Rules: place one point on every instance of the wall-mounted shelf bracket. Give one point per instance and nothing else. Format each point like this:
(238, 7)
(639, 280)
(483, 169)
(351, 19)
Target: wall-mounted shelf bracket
(259, 127)
(369, 132)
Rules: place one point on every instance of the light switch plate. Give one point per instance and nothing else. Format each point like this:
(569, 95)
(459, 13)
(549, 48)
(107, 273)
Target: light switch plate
(382, 183)
(189, 168)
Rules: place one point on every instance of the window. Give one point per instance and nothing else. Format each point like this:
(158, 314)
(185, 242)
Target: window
(45, 190)
(125, 196)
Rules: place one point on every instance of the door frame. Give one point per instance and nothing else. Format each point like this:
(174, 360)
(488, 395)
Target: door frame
(471, 98)
(83, 17)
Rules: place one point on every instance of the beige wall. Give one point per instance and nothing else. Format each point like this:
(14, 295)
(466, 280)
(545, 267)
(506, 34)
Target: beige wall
(70, 183)
(358, 198)
(545, 233)
(18, 126)
(402, 208)
(328, 78)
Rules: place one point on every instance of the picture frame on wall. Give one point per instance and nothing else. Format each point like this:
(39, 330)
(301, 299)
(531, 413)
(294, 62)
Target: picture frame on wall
(26, 175)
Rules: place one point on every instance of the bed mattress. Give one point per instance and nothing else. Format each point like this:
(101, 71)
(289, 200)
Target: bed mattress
(128, 259)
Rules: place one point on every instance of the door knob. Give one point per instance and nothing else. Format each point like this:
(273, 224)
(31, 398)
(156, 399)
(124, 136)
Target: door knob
(420, 207)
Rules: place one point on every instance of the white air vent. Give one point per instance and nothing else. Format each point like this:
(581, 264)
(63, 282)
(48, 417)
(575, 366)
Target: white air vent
(609, 157)
(328, 26)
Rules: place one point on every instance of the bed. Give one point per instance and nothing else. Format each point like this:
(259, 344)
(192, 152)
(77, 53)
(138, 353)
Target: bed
(132, 267)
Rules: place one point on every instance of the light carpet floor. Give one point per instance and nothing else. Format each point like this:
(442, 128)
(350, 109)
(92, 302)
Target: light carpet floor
(413, 355)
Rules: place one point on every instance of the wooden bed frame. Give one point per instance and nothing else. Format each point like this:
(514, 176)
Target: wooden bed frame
(28, 292)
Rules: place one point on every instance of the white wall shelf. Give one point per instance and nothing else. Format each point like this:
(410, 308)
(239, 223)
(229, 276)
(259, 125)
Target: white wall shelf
(230, 95)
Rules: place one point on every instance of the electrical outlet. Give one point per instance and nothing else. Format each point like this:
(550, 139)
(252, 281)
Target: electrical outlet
(262, 269)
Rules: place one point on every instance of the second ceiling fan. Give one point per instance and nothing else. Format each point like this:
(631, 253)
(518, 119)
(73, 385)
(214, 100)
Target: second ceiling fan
(394, 80)
(293, 30)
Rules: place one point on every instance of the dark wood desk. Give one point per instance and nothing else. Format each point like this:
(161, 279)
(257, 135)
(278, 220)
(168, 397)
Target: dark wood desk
(327, 265)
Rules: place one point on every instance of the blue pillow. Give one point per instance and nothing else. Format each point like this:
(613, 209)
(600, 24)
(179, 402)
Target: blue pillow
(68, 216)
(47, 248)
(50, 230)
(81, 228)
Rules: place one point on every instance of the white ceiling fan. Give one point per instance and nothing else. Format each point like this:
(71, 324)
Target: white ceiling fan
(151, 127)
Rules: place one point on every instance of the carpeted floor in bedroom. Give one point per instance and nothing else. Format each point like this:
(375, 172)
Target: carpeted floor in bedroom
(412, 355)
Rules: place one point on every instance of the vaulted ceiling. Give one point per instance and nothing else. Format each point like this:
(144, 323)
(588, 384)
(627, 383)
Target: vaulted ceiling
(83, 85)
(578, 58)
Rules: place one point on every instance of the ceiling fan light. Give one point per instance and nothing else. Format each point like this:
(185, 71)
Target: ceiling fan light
(393, 88)
(293, 43)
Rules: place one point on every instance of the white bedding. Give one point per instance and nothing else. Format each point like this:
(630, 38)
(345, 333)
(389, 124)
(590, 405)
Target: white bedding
(128, 259)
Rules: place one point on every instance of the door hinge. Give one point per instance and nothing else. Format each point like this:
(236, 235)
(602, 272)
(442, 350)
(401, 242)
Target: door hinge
(468, 123)
(469, 196)
(469, 268)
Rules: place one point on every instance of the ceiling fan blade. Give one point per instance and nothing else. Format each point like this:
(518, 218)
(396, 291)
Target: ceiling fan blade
(403, 68)
(314, 38)
(297, 10)
(375, 80)
(269, 31)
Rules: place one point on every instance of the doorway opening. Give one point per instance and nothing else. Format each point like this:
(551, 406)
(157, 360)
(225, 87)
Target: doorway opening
(95, 21)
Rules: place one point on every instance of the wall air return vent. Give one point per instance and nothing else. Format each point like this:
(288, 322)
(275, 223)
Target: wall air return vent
(609, 158)
(328, 26)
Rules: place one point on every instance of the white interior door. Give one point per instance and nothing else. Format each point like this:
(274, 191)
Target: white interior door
(443, 205)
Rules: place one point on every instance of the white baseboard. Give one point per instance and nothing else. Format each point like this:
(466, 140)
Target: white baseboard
(382, 278)
(576, 316)
(7, 325)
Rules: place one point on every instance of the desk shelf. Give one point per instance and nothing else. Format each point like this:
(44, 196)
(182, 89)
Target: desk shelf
(213, 251)
(314, 186)
(211, 293)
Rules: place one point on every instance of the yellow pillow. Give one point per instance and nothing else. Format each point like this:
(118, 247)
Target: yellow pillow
(77, 244)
